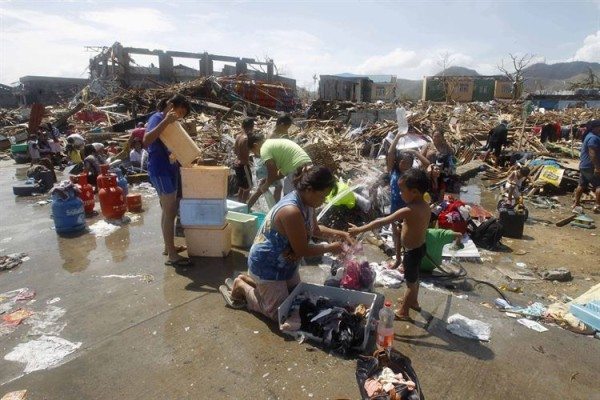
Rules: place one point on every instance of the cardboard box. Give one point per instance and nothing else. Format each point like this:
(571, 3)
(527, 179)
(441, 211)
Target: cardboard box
(208, 242)
(204, 182)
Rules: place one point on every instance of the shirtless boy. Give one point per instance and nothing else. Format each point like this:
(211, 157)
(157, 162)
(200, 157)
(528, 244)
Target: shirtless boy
(415, 216)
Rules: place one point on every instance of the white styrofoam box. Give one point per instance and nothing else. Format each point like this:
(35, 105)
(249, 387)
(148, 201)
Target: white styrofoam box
(208, 242)
(204, 182)
(202, 212)
(237, 206)
(343, 297)
(243, 228)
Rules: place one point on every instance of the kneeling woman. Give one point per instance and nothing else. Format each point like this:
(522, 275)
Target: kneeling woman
(282, 241)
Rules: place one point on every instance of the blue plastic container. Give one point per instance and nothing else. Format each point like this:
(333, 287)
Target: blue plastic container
(68, 214)
(202, 212)
(122, 181)
(260, 218)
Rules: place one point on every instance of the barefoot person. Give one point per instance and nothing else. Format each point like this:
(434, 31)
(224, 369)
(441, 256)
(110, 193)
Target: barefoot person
(282, 241)
(415, 220)
(164, 173)
(399, 162)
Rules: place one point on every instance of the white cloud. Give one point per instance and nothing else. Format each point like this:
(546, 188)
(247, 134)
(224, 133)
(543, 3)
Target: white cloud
(394, 60)
(132, 20)
(590, 51)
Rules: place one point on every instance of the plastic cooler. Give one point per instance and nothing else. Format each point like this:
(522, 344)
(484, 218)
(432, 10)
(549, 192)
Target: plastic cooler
(180, 143)
(243, 228)
(208, 242)
(202, 213)
(237, 206)
(343, 297)
(204, 182)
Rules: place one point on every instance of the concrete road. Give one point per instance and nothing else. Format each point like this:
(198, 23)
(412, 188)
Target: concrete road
(153, 332)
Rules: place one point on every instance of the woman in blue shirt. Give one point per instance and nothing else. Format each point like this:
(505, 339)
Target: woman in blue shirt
(164, 173)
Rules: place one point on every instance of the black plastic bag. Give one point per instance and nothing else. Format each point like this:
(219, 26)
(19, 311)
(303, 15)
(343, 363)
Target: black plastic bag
(367, 366)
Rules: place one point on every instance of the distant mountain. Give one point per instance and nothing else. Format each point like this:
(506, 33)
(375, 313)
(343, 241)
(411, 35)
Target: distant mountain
(458, 71)
(559, 70)
(555, 77)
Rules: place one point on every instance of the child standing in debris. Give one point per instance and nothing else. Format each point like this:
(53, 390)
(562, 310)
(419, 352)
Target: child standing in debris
(515, 182)
(397, 164)
(415, 221)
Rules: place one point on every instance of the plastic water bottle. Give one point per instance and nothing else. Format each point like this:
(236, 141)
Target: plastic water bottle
(402, 121)
(385, 327)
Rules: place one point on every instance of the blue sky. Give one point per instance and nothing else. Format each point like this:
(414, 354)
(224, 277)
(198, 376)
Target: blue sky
(404, 38)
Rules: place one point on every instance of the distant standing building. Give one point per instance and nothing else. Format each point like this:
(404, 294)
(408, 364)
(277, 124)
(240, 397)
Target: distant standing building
(467, 88)
(345, 88)
(48, 89)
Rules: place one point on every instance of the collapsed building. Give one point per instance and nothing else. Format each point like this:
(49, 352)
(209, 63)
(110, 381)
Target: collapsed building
(114, 68)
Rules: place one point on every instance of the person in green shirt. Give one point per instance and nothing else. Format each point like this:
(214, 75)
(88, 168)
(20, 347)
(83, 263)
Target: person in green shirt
(435, 240)
(282, 157)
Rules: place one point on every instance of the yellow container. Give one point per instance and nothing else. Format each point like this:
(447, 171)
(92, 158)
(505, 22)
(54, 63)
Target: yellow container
(208, 242)
(204, 182)
(180, 144)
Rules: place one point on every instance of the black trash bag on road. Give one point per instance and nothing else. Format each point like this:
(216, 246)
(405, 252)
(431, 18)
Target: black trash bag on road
(370, 366)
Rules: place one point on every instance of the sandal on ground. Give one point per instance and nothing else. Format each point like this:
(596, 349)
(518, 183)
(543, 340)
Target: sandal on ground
(179, 249)
(182, 262)
(235, 304)
(400, 317)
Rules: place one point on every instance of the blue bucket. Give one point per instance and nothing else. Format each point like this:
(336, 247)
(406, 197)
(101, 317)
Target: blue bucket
(260, 218)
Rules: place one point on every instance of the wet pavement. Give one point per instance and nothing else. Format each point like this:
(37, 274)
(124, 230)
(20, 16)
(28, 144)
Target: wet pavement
(150, 331)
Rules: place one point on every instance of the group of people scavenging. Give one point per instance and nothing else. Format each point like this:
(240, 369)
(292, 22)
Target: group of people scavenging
(285, 236)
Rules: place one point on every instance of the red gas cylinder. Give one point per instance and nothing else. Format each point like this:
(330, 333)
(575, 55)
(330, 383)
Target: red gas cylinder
(86, 193)
(134, 202)
(112, 201)
(103, 178)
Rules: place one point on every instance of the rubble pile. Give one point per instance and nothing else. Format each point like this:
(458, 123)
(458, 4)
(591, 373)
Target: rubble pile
(324, 128)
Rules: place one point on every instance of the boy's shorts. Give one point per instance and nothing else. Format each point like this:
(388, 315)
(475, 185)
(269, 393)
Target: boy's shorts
(242, 173)
(411, 262)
